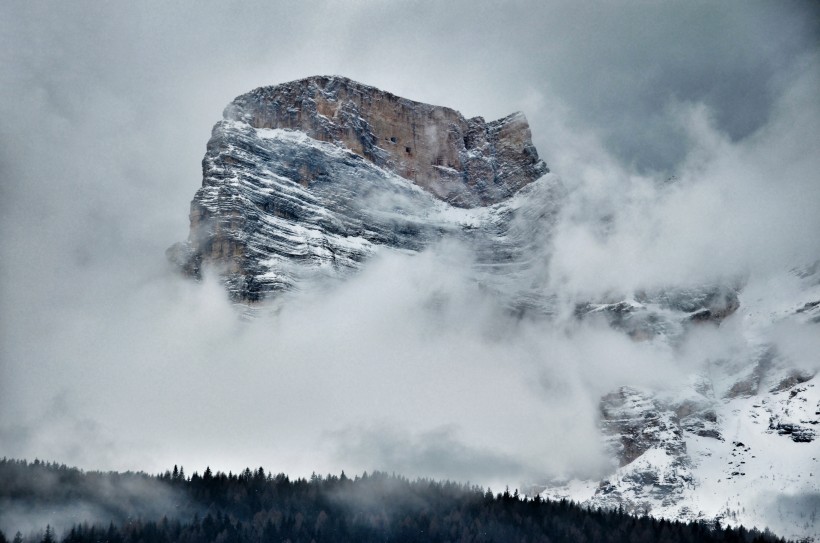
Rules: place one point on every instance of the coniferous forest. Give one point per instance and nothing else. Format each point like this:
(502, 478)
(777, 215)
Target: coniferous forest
(255, 506)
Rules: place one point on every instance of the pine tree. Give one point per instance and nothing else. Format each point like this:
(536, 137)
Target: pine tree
(49, 537)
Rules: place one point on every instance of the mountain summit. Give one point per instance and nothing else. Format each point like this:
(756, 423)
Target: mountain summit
(465, 162)
(312, 176)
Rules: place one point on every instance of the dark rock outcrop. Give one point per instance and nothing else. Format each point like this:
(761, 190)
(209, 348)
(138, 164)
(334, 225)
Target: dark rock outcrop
(636, 423)
(646, 437)
(665, 312)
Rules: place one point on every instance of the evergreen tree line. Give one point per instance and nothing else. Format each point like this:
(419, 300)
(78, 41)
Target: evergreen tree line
(259, 507)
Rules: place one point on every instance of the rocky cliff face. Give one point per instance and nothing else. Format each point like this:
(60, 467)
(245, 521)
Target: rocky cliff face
(310, 178)
(465, 162)
(669, 312)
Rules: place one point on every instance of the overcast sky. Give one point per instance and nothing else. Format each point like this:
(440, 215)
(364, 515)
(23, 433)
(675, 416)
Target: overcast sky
(108, 360)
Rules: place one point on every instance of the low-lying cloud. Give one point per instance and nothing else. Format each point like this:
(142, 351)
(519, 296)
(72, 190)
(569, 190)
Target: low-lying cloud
(410, 344)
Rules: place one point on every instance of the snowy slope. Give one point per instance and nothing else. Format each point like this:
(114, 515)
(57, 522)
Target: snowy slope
(738, 443)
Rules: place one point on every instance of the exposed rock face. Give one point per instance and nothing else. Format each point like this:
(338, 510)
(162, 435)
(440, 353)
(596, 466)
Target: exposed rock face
(796, 415)
(637, 423)
(647, 438)
(669, 312)
(311, 177)
(465, 162)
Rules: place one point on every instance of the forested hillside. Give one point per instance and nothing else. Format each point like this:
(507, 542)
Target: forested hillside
(258, 507)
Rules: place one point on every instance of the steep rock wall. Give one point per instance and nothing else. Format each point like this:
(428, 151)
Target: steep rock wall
(465, 162)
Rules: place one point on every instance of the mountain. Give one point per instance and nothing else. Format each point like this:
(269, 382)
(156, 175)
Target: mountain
(304, 182)
(312, 177)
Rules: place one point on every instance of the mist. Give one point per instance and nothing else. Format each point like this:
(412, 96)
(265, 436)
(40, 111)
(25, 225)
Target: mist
(36, 495)
(731, 209)
(686, 141)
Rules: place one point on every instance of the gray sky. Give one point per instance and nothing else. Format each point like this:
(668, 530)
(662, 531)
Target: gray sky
(109, 361)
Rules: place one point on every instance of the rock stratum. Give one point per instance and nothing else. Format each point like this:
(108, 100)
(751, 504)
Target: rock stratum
(306, 181)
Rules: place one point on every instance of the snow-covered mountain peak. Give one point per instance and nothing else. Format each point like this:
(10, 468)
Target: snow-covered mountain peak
(310, 178)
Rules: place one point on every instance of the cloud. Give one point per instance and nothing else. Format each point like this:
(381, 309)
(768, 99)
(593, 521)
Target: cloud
(61, 500)
(410, 344)
(734, 209)
(436, 453)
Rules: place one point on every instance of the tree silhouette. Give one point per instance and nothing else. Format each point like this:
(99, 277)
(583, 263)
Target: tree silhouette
(49, 535)
(255, 507)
